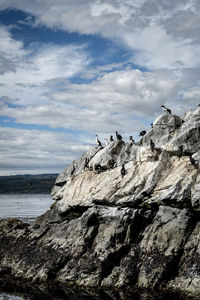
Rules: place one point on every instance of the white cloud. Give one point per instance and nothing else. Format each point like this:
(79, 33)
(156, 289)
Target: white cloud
(131, 92)
(35, 151)
(26, 72)
(112, 102)
(162, 32)
(156, 49)
(93, 120)
(192, 94)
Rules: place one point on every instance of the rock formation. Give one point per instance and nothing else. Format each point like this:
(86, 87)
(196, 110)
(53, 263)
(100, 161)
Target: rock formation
(106, 233)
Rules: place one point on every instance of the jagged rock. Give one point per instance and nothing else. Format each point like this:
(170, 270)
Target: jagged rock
(107, 230)
(164, 127)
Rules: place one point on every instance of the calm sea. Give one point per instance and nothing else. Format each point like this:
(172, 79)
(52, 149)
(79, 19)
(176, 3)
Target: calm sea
(26, 207)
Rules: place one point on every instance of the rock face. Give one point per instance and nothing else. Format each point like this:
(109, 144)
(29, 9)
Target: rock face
(108, 230)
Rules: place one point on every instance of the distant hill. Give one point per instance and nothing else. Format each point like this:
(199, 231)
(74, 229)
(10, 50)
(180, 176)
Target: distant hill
(27, 184)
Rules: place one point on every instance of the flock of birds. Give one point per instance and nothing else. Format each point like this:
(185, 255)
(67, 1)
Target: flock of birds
(131, 141)
(112, 163)
(152, 145)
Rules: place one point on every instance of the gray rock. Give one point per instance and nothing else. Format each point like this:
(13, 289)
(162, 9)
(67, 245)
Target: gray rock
(111, 230)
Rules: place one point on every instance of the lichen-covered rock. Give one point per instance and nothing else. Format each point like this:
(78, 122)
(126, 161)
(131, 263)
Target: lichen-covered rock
(113, 228)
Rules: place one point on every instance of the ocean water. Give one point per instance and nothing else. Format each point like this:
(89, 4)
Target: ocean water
(26, 207)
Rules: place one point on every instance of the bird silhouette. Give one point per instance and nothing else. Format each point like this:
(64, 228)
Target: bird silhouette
(98, 141)
(142, 133)
(123, 171)
(152, 145)
(118, 136)
(166, 109)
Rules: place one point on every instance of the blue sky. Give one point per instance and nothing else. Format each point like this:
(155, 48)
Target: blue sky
(73, 69)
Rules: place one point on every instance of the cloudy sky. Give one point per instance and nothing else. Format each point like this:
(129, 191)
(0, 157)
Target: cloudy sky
(72, 68)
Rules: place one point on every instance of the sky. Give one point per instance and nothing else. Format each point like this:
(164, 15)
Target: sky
(71, 69)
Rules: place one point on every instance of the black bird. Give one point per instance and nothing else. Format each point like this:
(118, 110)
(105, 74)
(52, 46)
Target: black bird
(72, 171)
(180, 152)
(98, 168)
(86, 162)
(151, 125)
(123, 171)
(152, 145)
(193, 162)
(112, 163)
(142, 133)
(131, 140)
(111, 138)
(166, 109)
(118, 136)
(98, 141)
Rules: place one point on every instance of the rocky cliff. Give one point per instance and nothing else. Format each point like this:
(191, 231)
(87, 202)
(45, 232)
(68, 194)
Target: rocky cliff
(111, 230)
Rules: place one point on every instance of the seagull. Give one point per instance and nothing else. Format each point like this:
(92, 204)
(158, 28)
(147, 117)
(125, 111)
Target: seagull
(167, 110)
(98, 141)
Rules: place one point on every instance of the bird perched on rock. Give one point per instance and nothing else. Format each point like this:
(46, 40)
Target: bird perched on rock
(98, 168)
(72, 171)
(98, 141)
(193, 162)
(123, 171)
(118, 136)
(131, 141)
(112, 163)
(111, 138)
(167, 110)
(180, 152)
(106, 141)
(152, 145)
(142, 133)
(86, 162)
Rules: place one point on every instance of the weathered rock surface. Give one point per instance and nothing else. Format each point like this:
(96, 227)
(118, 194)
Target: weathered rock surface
(136, 232)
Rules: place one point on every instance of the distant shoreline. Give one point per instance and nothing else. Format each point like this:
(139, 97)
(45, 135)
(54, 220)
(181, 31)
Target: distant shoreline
(27, 184)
